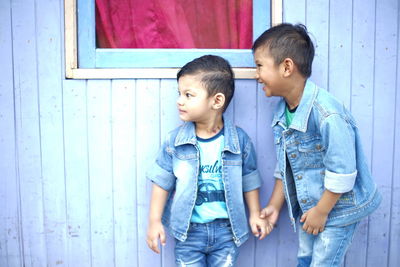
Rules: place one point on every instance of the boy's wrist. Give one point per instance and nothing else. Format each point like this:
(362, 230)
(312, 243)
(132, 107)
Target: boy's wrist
(322, 210)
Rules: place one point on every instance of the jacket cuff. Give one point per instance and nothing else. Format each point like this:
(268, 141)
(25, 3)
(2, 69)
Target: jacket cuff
(161, 177)
(339, 183)
(251, 181)
(277, 172)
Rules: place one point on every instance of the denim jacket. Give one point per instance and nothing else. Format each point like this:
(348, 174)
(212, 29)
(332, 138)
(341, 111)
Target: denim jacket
(177, 169)
(323, 147)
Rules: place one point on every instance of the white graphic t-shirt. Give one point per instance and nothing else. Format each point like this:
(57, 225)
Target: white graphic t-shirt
(210, 201)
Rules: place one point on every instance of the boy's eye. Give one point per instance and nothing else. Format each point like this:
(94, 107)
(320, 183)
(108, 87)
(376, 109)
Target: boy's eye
(188, 95)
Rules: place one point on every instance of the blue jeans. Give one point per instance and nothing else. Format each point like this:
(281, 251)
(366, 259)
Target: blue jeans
(207, 244)
(325, 249)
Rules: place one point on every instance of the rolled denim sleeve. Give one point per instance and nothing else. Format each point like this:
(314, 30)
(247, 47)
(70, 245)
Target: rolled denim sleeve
(161, 172)
(251, 177)
(277, 172)
(338, 138)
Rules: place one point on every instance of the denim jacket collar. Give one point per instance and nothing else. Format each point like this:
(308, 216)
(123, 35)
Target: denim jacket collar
(187, 135)
(303, 111)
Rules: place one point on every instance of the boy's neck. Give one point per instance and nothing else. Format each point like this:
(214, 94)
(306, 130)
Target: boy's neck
(209, 128)
(293, 96)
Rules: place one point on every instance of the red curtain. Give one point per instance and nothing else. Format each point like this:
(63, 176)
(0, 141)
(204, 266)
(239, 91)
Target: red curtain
(223, 24)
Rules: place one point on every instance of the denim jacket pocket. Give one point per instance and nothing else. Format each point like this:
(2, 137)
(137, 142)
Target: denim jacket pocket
(346, 200)
(313, 152)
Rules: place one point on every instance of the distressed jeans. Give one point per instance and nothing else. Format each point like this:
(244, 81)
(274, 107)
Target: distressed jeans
(327, 249)
(208, 244)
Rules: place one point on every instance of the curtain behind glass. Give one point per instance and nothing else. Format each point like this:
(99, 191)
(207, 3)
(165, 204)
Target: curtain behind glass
(225, 24)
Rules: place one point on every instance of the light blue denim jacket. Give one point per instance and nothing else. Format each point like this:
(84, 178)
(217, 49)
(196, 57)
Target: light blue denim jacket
(324, 150)
(177, 169)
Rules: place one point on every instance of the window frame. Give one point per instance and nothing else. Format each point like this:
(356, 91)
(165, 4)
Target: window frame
(89, 71)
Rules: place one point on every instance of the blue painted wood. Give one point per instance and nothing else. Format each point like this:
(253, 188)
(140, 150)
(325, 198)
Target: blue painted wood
(261, 17)
(51, 129)
(89, 56)
(169, 120)
(10, 239)
(383, 126)
(86, 33)
(100, 172)
(362, 86)
(28, 132)
(176, 58)
(294, 11)
(394, 245)
(124, 171)
(147, 145)
(245, 109)
(318, 27)
(339, 54)
(76, 173)
(266, 250)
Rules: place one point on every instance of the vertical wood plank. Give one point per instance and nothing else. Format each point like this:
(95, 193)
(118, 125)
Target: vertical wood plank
(267, 249)
(362, 86)
(76, 173)
(394, 245)
(100, 172)
(51, 128)
(124, 171)
(317, 18)
(10, 239)
(245, 108)
(383, 138)
(147, 145)
(169, 120)
(340, 37)
(294, 11)
(28, 132)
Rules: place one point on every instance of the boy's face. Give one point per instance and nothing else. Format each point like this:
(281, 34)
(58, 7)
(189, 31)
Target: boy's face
(268, 73)
(194, 104)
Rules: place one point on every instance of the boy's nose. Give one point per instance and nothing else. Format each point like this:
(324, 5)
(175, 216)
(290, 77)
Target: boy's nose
(179, 101)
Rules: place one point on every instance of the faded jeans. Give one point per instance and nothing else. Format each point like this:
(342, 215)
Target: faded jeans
(208, 244)
(325, 249)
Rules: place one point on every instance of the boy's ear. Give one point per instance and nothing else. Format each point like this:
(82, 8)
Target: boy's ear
(219, 101)
(288, 67)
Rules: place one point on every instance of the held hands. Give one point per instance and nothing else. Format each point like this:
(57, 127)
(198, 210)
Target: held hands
(259, 226)
(270, 214)
(155, 232)
(314, 220)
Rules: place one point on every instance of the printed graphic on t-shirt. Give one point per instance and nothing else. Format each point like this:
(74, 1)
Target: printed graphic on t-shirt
(210, 188)
(210, 201)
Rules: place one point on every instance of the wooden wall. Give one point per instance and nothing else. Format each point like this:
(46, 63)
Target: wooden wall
(73, 153)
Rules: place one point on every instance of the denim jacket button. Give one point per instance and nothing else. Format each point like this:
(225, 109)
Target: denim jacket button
(299, 177)
(293, 156)
(304, 201)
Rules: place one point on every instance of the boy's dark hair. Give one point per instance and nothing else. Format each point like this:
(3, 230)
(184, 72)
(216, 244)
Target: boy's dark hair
(216, 75)
(288, 41)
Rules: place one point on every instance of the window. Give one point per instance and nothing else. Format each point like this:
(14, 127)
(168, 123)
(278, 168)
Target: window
(84, 60)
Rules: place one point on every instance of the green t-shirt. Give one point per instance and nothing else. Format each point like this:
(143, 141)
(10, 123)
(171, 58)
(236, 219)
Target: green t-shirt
(289, 114)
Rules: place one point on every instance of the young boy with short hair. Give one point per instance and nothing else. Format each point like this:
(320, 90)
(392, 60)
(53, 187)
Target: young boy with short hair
(321, 169)
(202, 171)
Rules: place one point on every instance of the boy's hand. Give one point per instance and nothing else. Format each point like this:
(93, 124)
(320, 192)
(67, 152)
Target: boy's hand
(259, 227)
(314, 221)
(155, 232)
(271, 214)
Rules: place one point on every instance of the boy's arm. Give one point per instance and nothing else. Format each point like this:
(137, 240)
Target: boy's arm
(155, 229)
(271, 211)
(258, 226)
(315, 218)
